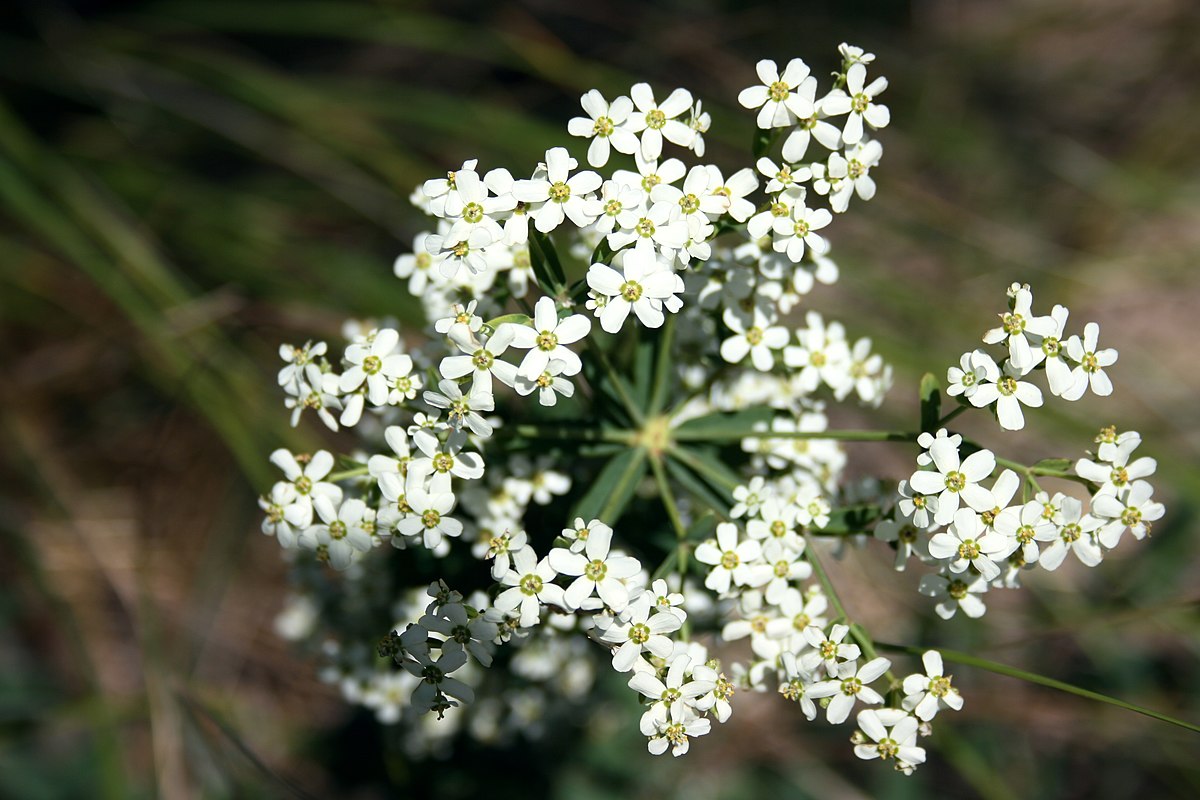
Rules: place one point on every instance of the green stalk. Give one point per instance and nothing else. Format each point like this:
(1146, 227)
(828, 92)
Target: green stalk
(836, 435)
(1042, 680)
(618, 383)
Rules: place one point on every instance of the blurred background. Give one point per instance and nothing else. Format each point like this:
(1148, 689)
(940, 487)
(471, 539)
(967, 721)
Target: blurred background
(186, 183)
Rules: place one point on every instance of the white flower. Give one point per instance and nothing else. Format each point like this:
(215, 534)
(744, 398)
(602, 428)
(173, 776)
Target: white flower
(472, 208)
(286, 513)
(781, 99)
(647, 286)
(438, 191)
(558, 194)
(655, 228)
(858, 101)
(899, 743)
(530, 587)
(845, 176)
(954, 592)
(1074, 532)
(808, 128)
(656, 122)
(675, 730)
(1115, 471)
(674, 690)
(637, 630)
(416, 266)
(481, 358)
(847, 684)
(318, 391)
(1008, 392)
(500, 548)
(464, 410)
(375, 363)
(1021, 526)
(341, 534)
(1017, 325)
(308, 480)
(921, 509)
(699, 123)
(730, 560)
(1130, 508)
(951, 479)
(618, 207)
(828, 650)
(734, 191)
(927, 694)
(758, 339)
(1052, 351)
(1091, 364)
(965, 543)
(549, 384)
(974, 368)
(547, 339)
(474, 634)
(603, 124)
(598, 571)
(436, 680)
(428, 517)
(296, 359)
(798, 229)
(785, 180)
(749, 499)
(466, 248)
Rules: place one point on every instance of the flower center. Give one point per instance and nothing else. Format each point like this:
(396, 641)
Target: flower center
(531, 584)
(303, 484)
(1131, 516)
(855, 169)
(956, 589)
(969, 550)
(801, 621)
(603, 127)
(547, 341)
(851, 686)
(443, 462)
(656, 119)
(644, 228)
(483, 359)
(778, 528)
(859, 103)
(1025, 534)
(1013, 324)
(613, 207)
(729, 559)
(631, 291)
(595, 570)
(1051, 346)
(560, 192)
(955, 481)
(337, 529)
(778, 91)
(372, 365)
(430, 519)
(1090, 363)
(473, 212)
(782, 568)
(887, 747)
(801, 228)
(1071, 532)
(754, 336)
(939, 686)
(779, 210)
(650, 181)
(1007, 385)
(689, 203)
(639, 633)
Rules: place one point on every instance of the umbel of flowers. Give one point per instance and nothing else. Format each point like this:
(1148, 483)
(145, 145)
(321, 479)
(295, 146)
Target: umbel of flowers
(615, 429)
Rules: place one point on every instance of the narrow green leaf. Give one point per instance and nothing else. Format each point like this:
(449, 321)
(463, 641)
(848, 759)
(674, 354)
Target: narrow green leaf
(705, 495)
(931, 402)
(725, 425)
(710, 467)
(763, 139)
(667, 565)
(643, 368)
(613, 488)
(702, 528)
(514, 319)
(602, 254)
(1032, 677)
(544, 260)
(1054, 464)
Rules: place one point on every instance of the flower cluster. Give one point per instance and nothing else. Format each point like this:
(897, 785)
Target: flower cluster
(655, 312)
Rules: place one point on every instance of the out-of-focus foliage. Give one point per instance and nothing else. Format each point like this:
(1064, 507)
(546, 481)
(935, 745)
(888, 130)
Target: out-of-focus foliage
(185, 183)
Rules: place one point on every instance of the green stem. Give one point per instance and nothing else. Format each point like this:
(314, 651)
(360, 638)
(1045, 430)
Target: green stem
(697, 465)
(668, 501)
(346, 473)
(836, 435)
(662, 369)
(618, 383)
(1041, 680)
(566, 433)
(942, 422)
